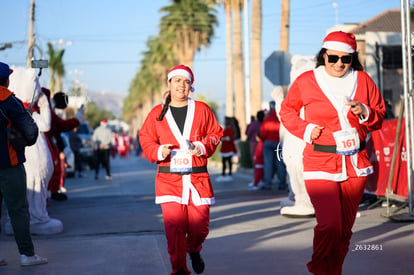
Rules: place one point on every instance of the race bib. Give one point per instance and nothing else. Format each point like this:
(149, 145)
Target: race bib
(181, 161)
(347, 142)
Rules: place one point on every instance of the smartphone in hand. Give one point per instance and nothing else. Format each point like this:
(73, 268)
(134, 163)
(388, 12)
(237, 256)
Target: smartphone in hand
(190, 145)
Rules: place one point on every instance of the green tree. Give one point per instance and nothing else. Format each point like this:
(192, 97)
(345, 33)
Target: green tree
(186, 27)
(191, 22)
(56, 68)
(94, 114)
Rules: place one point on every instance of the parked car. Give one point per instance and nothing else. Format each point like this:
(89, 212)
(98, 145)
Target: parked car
(86, 151)
(69, 157)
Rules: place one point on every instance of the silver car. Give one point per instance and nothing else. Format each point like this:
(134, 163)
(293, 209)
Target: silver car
(86, 151)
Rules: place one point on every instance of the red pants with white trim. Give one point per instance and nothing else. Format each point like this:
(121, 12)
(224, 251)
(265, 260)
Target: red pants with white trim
(186, 228)
(336, 206)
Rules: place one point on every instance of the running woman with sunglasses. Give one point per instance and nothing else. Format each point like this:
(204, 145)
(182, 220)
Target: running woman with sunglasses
(341, 105)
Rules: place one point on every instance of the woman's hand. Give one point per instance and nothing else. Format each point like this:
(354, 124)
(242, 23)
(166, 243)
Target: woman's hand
(316, 132)
(166, 150)
(196, 151)
(357, 108)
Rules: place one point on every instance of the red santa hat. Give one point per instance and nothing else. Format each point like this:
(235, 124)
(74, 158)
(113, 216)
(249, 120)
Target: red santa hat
(340, 41)
(183, 71)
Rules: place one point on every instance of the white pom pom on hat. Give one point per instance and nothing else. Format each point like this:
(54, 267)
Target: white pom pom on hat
(340, 41)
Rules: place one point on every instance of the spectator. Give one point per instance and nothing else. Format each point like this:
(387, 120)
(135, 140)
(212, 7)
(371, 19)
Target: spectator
(75, 143)
(12, 172)
(102, 137)
(253, 130)
(269, 132)
(258, 164)
(227, 151)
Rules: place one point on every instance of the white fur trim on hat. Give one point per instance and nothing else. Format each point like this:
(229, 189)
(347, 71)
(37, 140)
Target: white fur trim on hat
(338, 46)
(179, 72)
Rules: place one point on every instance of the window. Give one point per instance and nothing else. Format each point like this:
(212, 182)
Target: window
(391, 57)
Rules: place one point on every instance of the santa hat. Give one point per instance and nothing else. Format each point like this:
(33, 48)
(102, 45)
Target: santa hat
(183, 71)
(340, 41)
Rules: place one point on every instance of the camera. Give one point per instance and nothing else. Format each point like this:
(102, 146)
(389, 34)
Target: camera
(40, 63)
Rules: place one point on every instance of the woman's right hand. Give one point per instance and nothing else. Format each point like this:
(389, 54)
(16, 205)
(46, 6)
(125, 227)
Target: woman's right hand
(316, 132)
(166, 150)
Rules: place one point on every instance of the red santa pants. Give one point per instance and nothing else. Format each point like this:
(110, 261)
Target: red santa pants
(336, 205)
(186, 228)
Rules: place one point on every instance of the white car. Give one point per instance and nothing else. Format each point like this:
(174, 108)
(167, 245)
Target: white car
(69, 157)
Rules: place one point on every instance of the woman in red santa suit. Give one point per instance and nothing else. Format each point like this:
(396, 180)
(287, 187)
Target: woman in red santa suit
(342, 104)
(180, 136)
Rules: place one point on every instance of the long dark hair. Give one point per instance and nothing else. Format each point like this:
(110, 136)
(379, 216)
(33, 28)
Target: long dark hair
(356, 65)
(165, 107)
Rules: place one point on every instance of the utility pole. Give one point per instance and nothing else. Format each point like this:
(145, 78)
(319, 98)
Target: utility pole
(31, 38)
(284, 26)
(284, 32)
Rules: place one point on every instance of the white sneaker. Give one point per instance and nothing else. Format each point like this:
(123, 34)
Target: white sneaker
(253, 187)
(297, 211)
(286, 202)
(260, 184)
(32, 260)
(108, 177)
(220, 178)
(228, 178)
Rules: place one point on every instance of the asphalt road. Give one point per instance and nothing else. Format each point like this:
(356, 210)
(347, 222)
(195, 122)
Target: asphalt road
(114, 227)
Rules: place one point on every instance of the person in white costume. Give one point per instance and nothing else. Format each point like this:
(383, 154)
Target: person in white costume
(297, 204)
(24, 82)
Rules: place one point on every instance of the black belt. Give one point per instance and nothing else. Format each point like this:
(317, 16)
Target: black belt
(332, 148)
(195, 170)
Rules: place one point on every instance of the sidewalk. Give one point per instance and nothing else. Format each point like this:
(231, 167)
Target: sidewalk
(114, 227)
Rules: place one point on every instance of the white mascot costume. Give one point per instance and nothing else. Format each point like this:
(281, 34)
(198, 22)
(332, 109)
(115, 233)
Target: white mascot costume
(298, 203)
(24, 82)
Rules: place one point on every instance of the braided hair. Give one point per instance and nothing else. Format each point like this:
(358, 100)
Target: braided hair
(165, 107)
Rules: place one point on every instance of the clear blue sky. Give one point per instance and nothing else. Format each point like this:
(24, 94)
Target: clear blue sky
(107, 37)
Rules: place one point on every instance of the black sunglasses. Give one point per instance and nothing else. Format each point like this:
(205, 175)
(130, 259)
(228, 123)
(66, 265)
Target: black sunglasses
(345, 59)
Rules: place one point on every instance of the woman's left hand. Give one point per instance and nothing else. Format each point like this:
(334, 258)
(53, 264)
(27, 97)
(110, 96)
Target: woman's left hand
(196, 151)
(357, 108)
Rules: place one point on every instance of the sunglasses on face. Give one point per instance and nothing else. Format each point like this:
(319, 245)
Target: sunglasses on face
(345, 59)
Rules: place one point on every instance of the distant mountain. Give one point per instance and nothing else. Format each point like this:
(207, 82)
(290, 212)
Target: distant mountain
(108, 101)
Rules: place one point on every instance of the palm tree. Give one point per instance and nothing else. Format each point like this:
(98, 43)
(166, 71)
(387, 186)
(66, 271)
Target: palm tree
(192, 23)
(56, 67)
(256, 73)
(187, 26)
(239, 88)
(229, 51)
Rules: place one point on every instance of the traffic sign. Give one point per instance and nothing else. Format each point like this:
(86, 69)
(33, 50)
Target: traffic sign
(277, 68)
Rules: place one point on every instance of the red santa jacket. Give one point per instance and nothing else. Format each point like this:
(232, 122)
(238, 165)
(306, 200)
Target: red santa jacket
(309, 91)
(228, 148)
(201, 128)
(269, 129)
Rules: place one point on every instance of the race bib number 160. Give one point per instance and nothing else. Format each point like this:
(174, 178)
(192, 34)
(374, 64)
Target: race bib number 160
(181, 161)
